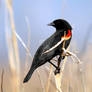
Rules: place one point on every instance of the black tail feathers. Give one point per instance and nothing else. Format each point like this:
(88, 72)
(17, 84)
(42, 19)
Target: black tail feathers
(28, 76)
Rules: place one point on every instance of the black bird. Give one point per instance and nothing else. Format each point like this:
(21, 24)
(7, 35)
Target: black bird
(52, 47)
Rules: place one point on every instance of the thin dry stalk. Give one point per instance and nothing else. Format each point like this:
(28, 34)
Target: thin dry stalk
(13, 50)
(58, 77)
(49, 78)
(29, 29)
(28, 43)
(41, 81)
(82, 78)
(14, 40)
(29, 36)
(2, 80)
(23, 44)
(51, 81)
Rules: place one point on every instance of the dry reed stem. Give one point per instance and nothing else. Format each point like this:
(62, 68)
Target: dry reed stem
(51, 81)
(82, 79)
(23, 44)
(2, 80)
(14, 77)
(14, 40)
(41, 81)
(28, 43)
(58, 77)
(10, 53)
(13, 51)
(49, 78)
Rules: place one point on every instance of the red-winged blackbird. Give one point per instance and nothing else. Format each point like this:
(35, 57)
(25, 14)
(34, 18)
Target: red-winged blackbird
(52, 46)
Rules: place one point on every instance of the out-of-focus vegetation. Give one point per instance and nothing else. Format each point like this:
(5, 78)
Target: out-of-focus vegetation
(76, 78)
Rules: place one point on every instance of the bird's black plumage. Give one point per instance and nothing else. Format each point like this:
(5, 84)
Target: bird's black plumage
(40, 57)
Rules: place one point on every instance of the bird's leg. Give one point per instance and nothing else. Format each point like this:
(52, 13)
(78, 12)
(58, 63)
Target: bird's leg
(57, 68)
(53, 64)
(58, 65)
(59, 61)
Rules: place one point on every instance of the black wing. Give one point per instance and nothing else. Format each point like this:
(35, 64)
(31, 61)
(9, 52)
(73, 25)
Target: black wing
(46, 45)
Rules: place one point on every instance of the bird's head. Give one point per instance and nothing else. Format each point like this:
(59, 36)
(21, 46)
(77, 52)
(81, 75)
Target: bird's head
(60, 24)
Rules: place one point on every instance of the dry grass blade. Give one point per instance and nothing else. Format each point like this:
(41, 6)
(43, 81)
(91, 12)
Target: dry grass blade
(42, 84)
(2, 80)
(23, 44)
(58, 77)
(48, 71)
(74, 55)
(48, 81)
(28, 43)
(13, 50)
(68, 53)
(14, 41)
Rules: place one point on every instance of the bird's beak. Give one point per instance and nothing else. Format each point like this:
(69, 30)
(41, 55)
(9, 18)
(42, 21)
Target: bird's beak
(51, 24)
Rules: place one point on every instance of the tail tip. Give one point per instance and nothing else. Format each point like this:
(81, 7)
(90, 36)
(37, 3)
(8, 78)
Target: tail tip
(25, 80)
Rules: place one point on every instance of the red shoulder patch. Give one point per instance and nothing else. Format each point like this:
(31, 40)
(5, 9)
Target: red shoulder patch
(69, 33)
(67, 36)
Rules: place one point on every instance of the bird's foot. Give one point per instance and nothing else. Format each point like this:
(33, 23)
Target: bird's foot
(57, 71)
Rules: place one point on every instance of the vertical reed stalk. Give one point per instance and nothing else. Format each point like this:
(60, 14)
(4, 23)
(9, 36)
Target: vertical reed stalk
(58, 77)
(49, 78)
(13, 50)
(2, 75)
(41, 81)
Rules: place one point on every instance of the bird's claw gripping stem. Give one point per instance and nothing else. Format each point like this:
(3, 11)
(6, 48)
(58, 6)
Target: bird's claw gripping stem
(57, 70)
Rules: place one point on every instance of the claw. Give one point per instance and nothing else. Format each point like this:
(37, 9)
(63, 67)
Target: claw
(57, 71)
